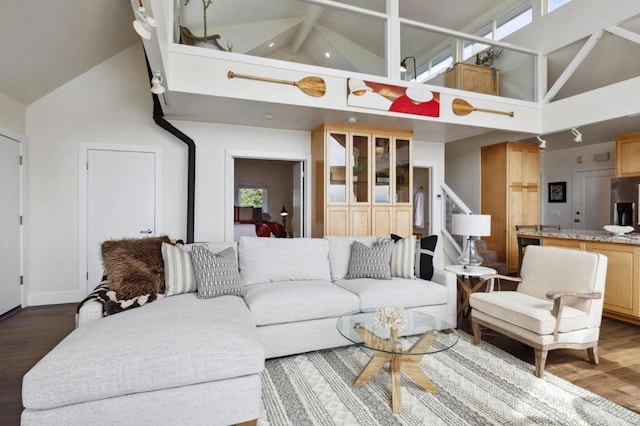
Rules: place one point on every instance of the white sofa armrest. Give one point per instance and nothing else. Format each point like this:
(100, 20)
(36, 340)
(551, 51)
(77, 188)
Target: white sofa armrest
(449, 280)
(90, 311)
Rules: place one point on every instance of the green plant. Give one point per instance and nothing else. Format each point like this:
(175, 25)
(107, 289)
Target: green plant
(488, 56)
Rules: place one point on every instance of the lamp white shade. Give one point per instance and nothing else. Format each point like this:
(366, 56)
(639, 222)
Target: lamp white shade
(476, 225)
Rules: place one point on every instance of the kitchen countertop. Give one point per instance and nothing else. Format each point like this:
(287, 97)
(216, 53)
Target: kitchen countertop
(585, 235)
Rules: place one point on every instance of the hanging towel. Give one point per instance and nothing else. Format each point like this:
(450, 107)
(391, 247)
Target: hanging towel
(418, 206)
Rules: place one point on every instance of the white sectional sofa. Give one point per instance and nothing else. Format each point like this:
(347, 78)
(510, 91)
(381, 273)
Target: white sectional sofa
(185, 360)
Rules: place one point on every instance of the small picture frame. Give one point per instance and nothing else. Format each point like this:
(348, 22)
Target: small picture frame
(557, 192)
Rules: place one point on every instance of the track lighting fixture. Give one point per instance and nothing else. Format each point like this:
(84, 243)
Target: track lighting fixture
(156, 84)
(144, 24)
(543, 143)
(577, 135)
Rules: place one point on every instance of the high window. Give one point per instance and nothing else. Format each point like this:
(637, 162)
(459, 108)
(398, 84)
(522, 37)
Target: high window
(554, 4)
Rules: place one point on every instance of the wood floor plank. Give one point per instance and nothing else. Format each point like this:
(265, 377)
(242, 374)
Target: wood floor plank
(28, 335)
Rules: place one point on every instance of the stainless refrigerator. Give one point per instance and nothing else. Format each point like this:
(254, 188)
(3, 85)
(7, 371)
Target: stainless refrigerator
(624, 201)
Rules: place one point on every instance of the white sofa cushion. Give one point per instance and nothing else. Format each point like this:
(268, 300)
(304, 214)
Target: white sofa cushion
(264, 260)
(404, 292)
(527, 311)
(175, 341)
(292, 301)
(340, 253)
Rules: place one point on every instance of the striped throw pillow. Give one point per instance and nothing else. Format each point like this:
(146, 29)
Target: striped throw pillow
(216, 274)
(179, 276)
(403, 256)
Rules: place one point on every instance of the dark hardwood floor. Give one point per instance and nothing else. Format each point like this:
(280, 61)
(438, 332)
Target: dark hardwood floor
(25, 337)
(28, 335)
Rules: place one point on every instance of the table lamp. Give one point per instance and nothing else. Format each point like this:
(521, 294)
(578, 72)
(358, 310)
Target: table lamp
(471, 226)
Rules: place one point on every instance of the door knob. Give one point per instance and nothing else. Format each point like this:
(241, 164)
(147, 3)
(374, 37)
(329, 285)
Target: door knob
(576, 220)
(147, 231)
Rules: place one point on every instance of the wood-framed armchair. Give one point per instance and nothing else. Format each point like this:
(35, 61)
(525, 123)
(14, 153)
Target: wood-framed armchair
(557, 304)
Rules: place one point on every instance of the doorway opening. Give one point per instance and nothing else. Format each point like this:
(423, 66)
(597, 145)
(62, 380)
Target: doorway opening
(422, 201)
(266, 197)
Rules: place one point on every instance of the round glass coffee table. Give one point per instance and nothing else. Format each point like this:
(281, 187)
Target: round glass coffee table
(430, 335)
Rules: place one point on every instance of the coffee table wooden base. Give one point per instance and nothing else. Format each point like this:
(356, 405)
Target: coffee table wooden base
(400, 363)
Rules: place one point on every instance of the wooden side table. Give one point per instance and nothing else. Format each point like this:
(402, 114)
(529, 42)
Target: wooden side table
(466, 284)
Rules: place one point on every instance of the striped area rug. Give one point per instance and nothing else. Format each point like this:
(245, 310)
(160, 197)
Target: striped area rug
(478, 385)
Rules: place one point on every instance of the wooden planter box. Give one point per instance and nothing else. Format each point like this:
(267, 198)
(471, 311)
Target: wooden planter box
(474, 78)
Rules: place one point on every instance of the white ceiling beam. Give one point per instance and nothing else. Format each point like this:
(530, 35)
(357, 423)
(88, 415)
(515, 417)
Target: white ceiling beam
(310, 19)
(573, 65)
(621, 32)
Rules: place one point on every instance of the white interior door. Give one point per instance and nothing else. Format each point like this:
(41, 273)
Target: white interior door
(592, 198)
(10, 247)
(122, 192)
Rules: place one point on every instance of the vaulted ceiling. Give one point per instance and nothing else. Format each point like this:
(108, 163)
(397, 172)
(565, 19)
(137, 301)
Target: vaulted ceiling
(43, 45)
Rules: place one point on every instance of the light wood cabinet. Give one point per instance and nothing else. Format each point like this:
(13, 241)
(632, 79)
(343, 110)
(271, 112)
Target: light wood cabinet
(510, 193)
(362, 180)
(474, 78)
(621, 293)
(622, 287)
(628, 155)
(562, 242)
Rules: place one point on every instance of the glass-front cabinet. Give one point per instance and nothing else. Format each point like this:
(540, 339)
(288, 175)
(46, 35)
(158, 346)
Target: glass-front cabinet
(382, 188)
(362, 181)
(337, 165)
(404, 178)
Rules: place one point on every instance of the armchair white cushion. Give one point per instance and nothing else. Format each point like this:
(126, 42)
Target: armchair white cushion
(557, 304)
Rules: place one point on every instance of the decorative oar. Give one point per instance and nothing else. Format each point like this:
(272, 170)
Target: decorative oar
(312, 86)
(462, 107)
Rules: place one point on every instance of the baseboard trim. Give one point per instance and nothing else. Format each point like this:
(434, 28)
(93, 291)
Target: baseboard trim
(54, 298)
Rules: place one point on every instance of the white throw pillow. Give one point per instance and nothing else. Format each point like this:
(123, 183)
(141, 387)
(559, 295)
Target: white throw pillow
(179, 276)
(403, 257)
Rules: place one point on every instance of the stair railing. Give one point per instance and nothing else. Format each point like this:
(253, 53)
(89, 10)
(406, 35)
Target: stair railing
(451, 204)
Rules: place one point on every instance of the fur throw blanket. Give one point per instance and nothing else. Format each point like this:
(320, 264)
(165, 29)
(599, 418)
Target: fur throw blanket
(134, 267)
(110, 302)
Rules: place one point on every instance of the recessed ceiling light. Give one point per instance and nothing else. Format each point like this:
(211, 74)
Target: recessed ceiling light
(272, 44)
(327, 54)
(352, 119)
(268, 116)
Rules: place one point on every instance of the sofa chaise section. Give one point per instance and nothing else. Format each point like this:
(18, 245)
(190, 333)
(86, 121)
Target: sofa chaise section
(180, 360)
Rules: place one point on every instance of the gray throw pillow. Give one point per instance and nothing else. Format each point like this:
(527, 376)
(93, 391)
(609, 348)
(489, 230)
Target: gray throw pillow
(216, 274)
(370, 262)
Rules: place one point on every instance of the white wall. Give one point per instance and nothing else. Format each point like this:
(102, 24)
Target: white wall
(560, 166)
(119, 112)
(12, 115)
(109, 104)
